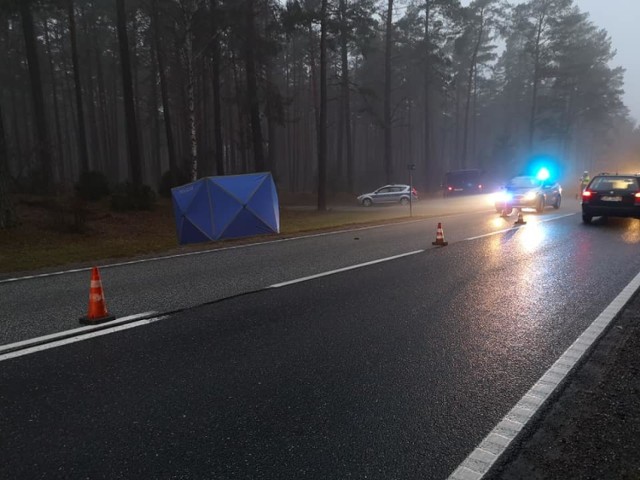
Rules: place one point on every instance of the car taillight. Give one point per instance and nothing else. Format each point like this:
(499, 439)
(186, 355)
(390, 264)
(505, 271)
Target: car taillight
(480, 187)
(586, 194)
(449, 188)
(637, 198)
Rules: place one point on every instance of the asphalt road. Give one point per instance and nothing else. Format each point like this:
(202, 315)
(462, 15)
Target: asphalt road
(393, 370)
(41, 306)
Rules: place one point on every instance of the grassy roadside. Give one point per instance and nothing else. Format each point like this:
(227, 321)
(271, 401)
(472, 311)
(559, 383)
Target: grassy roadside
(39, 242)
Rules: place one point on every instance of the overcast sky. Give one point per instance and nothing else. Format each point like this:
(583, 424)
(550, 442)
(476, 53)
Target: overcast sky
(621, 19)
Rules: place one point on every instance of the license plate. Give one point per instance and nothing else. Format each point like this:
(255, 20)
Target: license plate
(611, 199)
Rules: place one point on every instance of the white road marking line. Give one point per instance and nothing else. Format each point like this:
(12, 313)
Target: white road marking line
(478, 463)
(497, 232)
(68, 333)
(78, 338)
(345, 269)
(99, 330)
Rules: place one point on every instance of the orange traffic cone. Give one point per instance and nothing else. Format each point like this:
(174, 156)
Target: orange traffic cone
(97, 306)
(440, 237)
(520, 220)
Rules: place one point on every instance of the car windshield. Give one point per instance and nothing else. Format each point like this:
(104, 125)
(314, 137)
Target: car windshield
(614, 183)
(462, 177)
(523, 182)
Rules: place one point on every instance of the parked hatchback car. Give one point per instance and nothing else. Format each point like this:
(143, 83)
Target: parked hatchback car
(388, 194)
(528, 192)
(611, 196)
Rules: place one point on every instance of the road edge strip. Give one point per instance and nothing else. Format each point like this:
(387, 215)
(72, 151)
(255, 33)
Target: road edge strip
(487, 453)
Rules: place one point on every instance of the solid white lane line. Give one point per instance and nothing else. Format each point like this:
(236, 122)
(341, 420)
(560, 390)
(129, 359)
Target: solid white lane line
(478, 463)
(345, 269)
(117, 328)
(67, 333)
(497, 232)
(78, 338)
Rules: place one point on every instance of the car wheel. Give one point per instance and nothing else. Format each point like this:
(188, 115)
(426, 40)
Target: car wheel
(404, 201)
(586, 218)
(367, 202)
(556, 204)
(540, 204)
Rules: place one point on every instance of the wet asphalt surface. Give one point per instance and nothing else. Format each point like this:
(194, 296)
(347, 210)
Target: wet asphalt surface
(394, 370)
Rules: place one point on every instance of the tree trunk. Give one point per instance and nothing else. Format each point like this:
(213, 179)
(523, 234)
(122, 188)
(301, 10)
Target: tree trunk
(388, 161)
(8, 216)
(217, 103)
(154, 108)
(164, 93)
(428, 167)
(42, 132)
(129, 105)
(322, 137)
(536, 79)
(191, 103)
(346, 96)
(95, 142)
(252, 87)
(272, 121)
(82, 135)
(104, 115)
(56, 107)
(472, 69)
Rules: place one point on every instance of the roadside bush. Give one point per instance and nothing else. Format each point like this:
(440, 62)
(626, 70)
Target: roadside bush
(125, 198)
(169, 180)
(69, 213)
(92, 186)
(33, 183)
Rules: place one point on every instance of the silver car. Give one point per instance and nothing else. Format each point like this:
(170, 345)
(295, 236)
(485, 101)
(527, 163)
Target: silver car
(389, 194)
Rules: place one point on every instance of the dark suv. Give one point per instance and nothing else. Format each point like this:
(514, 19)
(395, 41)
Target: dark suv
(611, 196)
(462, 182)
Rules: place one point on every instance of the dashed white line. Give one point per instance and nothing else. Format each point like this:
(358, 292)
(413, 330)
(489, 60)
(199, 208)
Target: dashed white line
(480, 461)
(345, 269)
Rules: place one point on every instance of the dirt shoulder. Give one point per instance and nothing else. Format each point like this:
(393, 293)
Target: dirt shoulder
(592, 429)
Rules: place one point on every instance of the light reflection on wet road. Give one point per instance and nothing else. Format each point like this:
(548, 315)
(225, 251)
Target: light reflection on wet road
(394, 370)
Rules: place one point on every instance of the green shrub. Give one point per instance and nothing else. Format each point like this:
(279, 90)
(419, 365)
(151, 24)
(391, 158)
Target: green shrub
(125, 198)
(92, 186)
(171, 179)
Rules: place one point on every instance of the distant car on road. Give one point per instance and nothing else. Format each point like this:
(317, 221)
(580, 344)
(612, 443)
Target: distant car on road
(388, 194)
(462, 182)
(611, 196)
(528, 192)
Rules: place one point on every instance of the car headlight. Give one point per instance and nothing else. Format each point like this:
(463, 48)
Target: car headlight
(530, 195)
(503, 197)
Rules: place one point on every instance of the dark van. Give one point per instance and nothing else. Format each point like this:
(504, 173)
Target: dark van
(462, 182)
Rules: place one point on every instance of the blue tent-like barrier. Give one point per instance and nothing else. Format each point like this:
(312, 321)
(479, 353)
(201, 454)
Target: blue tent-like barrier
(230, 206)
